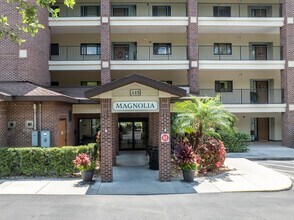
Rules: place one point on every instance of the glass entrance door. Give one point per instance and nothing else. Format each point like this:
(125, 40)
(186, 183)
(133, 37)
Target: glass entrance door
(133, 134)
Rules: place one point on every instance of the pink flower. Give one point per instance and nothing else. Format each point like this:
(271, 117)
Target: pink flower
(218, 164)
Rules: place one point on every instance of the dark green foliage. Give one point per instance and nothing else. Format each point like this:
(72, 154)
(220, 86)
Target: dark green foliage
(35, 161)
(235, 141)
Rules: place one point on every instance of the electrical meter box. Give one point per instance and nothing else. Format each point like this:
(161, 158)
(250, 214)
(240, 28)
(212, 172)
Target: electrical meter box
(45, 138)
(35, 138)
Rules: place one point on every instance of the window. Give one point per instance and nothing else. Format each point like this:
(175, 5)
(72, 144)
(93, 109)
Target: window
(90, 49)
(223, 86)
(222, 49)
(222, 11)
(161, 49)
(90, 11)
(54, 49)
(161, 10)
(90, 83)
(54, 83)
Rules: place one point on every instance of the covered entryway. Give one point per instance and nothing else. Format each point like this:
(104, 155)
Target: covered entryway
(132, 95)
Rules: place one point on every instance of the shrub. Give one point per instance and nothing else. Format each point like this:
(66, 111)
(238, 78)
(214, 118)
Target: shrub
(184, 157)
(236, 141)
(36, 161)
(212, 153)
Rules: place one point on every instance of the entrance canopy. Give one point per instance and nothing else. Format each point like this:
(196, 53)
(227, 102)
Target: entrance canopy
(135, 93)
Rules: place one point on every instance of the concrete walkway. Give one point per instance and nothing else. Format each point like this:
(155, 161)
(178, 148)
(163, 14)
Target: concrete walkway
(132, 177)
(265, 151)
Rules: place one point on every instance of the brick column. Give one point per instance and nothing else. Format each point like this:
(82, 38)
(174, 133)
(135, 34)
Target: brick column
(153, 129)
(106, 140)
(164, 148)
(114, 137)
(3, 125)
(192, 38)
(105, 42)
(287, 75)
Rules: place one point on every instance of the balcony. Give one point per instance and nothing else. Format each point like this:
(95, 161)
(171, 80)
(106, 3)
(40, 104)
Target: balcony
(132, 57)
(144, 17)
(254, 57)
(83, 18)
(240, 18)
(73, 58)
(247, 96)
(250, 101)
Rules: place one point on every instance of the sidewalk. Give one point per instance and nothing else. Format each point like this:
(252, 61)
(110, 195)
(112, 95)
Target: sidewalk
(244, 176)
(265, 151)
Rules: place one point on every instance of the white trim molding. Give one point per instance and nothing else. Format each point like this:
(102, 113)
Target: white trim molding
(74, 65)
(149, 65)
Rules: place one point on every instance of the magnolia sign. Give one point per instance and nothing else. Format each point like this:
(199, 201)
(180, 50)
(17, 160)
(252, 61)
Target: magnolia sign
(135, 106)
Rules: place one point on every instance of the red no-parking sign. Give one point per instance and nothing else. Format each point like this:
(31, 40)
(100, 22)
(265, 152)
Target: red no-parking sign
(164, 138)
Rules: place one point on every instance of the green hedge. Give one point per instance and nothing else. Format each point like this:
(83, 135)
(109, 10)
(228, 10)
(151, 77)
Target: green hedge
(35, 161)
(235, 141)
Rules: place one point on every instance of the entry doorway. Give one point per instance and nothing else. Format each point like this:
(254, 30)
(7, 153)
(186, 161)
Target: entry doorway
(121, 52)
(259, 51)
(133, 134)
(263, 129)
(62, 132)
(261, 88)
(259, 13)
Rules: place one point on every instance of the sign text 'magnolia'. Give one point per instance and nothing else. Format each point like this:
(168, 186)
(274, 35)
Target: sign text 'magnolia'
(135, 106)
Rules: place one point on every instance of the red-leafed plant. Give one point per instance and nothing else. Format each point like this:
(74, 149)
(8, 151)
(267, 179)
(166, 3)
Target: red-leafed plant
(84, 163)
(185, 157)
(212, 153)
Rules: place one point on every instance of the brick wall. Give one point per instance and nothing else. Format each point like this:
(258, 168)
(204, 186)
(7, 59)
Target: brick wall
(287, 76)
(3, 125)
(164, 148)
(192, 37)
(34, 68)
(106, 140)
(105, 41)
(153, 129)
(20, 112)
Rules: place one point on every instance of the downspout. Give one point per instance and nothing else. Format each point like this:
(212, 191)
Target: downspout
(35, 116)
(40, 115)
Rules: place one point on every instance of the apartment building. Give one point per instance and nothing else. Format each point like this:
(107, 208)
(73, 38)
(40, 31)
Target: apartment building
(120, 65)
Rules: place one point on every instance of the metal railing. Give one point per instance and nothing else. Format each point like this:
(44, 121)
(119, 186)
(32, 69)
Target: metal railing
(144, 9)
(247, 96)
(241, 53)
(147, 53)
(239, 10)
(77, 10)
(134, 9)
(72, 53)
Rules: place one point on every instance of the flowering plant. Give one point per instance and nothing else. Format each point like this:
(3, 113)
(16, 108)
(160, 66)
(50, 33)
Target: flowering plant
(84, 163)
(185, 157)
(212, 153)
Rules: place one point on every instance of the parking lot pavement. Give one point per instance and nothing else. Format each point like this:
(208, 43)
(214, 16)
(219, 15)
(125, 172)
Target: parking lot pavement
(283, 166)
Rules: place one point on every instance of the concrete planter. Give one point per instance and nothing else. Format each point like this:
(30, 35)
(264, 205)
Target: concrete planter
(188, 175)
(87, 175)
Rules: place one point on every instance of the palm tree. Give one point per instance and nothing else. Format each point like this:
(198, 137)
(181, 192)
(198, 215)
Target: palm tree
(202, 117)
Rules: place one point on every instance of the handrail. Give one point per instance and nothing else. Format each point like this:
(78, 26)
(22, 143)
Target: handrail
(240, 9)
(233, 52)
(247, 96)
